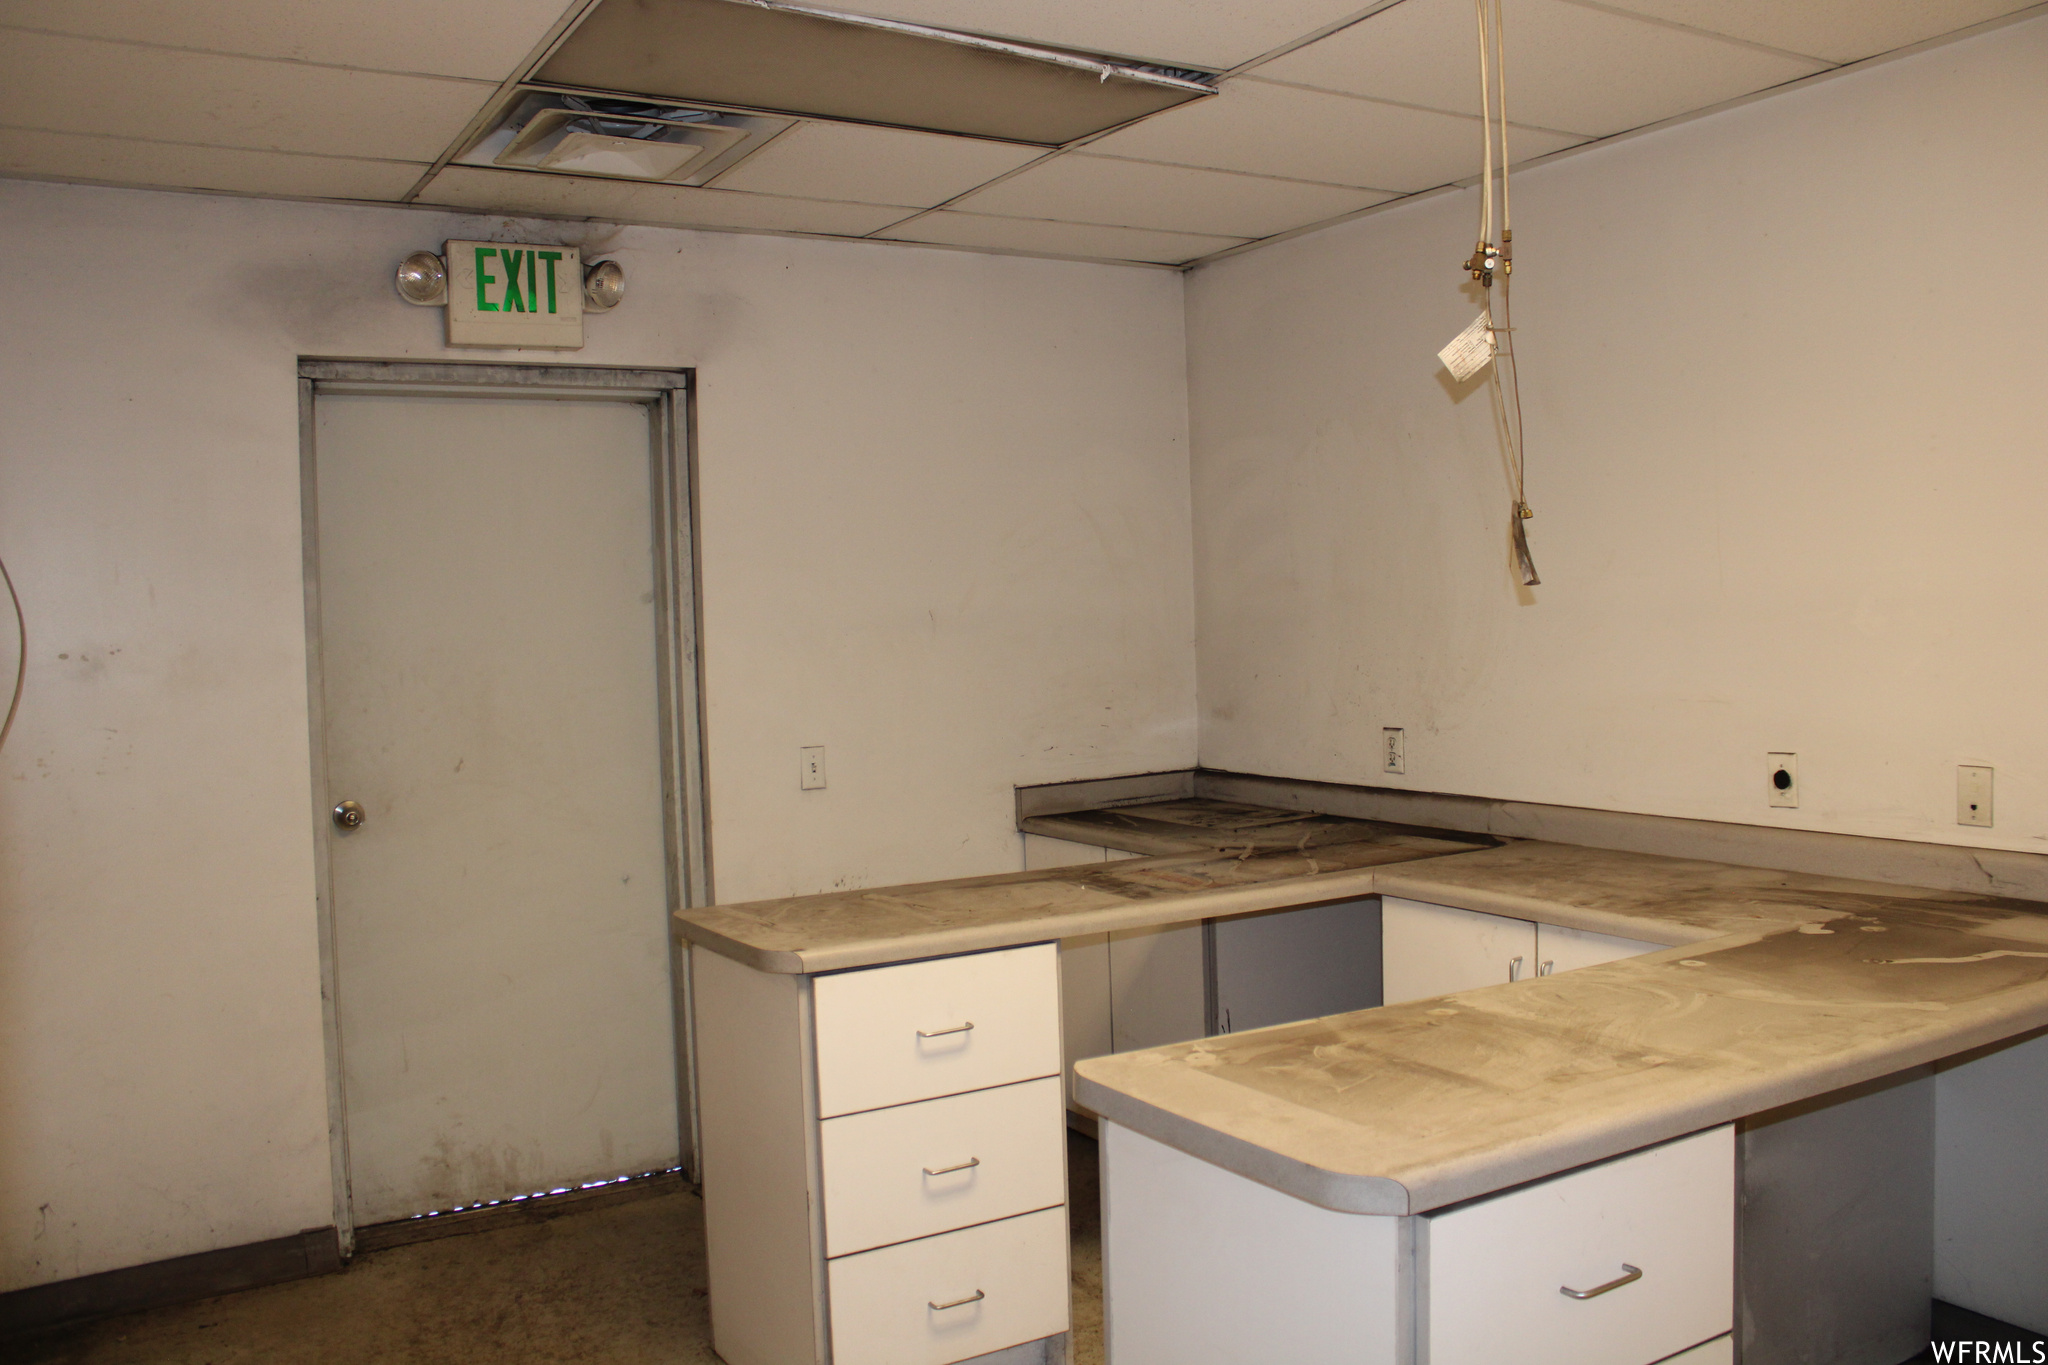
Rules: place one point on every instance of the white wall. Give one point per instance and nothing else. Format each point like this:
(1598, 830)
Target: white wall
(1786, 448)
(945, 511)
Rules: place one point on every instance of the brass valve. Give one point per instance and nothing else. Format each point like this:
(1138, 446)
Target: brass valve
(1485, 259)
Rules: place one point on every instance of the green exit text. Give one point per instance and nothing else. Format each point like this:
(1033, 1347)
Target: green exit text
(516, 300)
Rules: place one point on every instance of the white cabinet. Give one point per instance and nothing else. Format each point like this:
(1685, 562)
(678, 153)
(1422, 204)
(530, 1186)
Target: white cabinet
(1434, 950)
(1205, 1267)
(1623, 1263)
(873, 1140)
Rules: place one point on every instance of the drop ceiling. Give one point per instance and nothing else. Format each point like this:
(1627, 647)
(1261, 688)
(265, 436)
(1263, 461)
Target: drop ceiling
(1323, 107)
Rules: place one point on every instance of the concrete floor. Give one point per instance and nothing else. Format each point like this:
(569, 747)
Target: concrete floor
(622, 1285)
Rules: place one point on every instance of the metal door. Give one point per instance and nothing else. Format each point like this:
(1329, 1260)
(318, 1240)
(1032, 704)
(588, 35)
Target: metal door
(491, 636)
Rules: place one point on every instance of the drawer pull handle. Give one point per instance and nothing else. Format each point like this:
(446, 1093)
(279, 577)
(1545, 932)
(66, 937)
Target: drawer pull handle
(1514, 969)
(966, 1165)
(940, 1033)
(976, 1297)
(1597, 1290)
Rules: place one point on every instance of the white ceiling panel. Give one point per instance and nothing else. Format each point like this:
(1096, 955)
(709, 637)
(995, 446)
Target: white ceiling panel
(949, 228)
(1203, 33)
(82, 85)
(1837, 30)
(483, 39)
(858, 164)
(1569, 67)
(1281, 130)
(79, 156)
(1141, 194)
(623, 201)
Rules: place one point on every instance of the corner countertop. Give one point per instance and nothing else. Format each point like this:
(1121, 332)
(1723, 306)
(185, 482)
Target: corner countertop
(1789, 986)
(1778, 987)
(843, 929)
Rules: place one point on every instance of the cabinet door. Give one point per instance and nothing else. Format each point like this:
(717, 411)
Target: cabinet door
(1433, 950)
(1296, 964)
(1564, 950)
(1158, 991)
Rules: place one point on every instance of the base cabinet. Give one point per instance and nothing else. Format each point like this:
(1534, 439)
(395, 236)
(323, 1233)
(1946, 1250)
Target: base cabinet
(1204, 1267)
(884, 1161)
(1430, 950)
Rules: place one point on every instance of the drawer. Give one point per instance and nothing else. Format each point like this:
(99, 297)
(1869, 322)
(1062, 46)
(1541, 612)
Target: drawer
(951, 1297)
(894, 1174)
(1493, 1270)
(890, 1035)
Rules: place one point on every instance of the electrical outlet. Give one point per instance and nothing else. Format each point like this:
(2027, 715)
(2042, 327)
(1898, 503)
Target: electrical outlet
(811, 768)
(1973, 796)
(1393, 750)
(1784, 779)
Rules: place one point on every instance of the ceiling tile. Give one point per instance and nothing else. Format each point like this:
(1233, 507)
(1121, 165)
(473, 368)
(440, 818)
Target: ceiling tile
(1569, 67)
(1280, 130)
(623, 201)
(81, 85)
(949, 228)
(859, 164)
(78, 156)
(1140, 194)
(483, 39)
(1838, 30)
(1203, 33)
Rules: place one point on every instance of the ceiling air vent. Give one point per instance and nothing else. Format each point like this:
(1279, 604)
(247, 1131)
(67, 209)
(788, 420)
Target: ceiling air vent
(620, 139)
(794, 59)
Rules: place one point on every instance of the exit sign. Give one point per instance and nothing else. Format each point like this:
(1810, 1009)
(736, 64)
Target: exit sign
(515, 294)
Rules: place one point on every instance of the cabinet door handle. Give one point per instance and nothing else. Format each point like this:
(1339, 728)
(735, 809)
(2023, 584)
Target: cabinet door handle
(1546, 968)
(966, 1165)
(1514, 969)
(976, 1297)
(940, 1033)
(1597, 1290)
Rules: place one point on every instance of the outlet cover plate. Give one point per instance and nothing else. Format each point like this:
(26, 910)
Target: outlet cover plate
(1783, 793)
(1973, 796)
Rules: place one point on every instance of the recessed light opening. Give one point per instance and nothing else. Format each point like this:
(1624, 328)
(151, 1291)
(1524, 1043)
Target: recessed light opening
(768, 55)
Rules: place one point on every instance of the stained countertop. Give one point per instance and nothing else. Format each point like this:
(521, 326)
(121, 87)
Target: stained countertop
(1778, 987)
(1199, 823)
(866, 928)
(1789, 987)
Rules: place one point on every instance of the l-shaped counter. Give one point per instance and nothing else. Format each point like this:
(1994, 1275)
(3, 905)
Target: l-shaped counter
(1775, 987)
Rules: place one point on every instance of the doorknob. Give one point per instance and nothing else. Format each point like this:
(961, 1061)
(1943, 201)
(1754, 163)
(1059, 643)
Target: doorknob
(348, 815)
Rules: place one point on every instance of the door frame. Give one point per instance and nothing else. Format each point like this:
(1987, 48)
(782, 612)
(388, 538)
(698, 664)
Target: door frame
(670, 396)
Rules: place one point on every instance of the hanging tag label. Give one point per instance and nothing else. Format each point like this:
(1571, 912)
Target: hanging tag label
(1471, 350)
